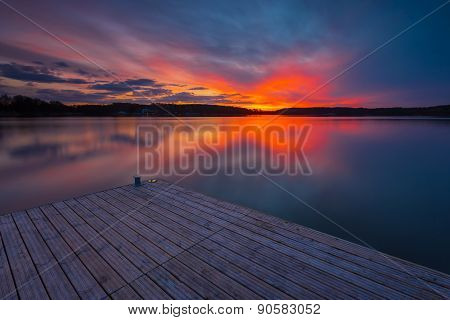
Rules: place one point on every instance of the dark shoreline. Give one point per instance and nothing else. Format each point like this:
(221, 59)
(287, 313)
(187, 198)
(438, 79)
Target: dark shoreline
(21, 106)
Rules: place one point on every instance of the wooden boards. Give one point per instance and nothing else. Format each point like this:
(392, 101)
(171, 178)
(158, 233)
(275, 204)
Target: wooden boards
(160, 241)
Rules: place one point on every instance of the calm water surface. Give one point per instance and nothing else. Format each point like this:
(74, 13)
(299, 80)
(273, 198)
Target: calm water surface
(385, 180)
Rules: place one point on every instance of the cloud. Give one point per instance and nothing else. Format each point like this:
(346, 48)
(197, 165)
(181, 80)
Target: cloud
(34, 74)
(160, 94)
(188, 97)
(198, 88)
(154, 92)
(61, 64)
(112, 87)
(143, 86)
(141, 82)
(71, 96)
(28, 55)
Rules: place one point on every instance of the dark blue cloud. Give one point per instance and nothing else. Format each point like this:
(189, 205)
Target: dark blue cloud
(143, 86)
(61, 64)
(10, 53)
(141, 82)
(198, 88)
(189, 97)
(34, 74)
(71, 96)
(112, 86)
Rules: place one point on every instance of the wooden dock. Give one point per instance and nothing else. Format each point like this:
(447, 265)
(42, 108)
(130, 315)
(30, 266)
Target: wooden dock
(159, 241)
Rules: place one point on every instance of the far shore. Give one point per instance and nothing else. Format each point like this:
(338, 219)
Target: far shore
(21, 106)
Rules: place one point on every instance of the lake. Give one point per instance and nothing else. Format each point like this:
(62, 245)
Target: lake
(387, 181)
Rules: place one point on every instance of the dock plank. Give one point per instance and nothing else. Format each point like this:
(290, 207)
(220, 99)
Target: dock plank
(7, 286)
(150, 249)
(167, 218)
(265, 290)
(322, 283)
(138, 258)
(174, 287)
(166, 197)
(399, 275)
(197, 223)
(336, 285)
(396, 266)
(137, 222)
(148, 289)
(163, 241)
(148, 218)
(79, 275)
(221, 280)
(263, 273)
(206, 289)
(401, 280)
(105, 275)
(110, 253)
(28, 283)
(126, 293)
(55, 280)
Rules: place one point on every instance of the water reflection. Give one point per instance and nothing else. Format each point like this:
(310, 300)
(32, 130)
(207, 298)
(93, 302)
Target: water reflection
(38, 150)
(387, 181)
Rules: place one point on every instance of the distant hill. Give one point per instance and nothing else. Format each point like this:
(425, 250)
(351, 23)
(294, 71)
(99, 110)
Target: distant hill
(22, 106)
(437, 111)
(30, 107)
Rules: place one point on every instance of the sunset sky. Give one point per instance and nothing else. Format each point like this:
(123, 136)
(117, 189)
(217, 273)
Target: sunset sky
(257, 54)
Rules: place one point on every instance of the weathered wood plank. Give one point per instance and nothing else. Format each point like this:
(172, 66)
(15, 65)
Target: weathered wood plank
(55, 280)
(7, 286)
(235, 223)
(161, 241)
(144, 216)
(138, 258)
(264, 274)
(196, 282)
(344, 274)
(99, 208)
(110, 253)
(227, 284)
(29, 284)
(336, 284)
(397, 266)
(148, 289)
(137, 222)
(298, 274)
(415, 289)
(164, 217)
(80, 277)
(100, 269)
(398, 274)
(197, 223)
(247, 279)
(359, 273)
(174, 287)
(166, 197)
(126, 293)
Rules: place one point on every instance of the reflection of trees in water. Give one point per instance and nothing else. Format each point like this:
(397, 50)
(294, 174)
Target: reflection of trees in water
(123, 138)
(73, 150)
(36, 150)
(56, 152)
